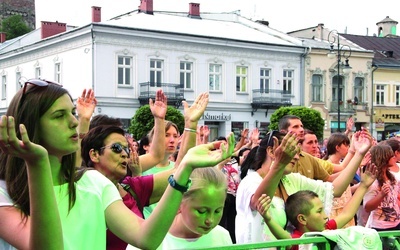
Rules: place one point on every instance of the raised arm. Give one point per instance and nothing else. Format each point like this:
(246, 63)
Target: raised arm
(42, 229)
(149, 233)
(368, 176)
(192, 115)
(283, 154)
(85, 105)
(362, 142)
(157, 147)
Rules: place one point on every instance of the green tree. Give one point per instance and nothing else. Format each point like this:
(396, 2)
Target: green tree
(143, 121)
(310, 118)
(14, 26)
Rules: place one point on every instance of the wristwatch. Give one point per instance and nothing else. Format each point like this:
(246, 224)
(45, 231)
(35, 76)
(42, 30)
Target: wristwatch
(177, 186)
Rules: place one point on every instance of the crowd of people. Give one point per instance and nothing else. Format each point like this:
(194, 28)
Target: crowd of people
(87, 184)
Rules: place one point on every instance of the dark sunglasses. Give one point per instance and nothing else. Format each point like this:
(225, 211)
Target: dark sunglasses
(38, 83)
(117, 148)
(271, 136)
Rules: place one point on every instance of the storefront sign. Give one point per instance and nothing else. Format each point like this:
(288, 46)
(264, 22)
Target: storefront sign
(221, 117)
(391, 116)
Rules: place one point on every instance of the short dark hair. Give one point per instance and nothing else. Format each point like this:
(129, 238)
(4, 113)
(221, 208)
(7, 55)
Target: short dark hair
(103, 119)
(144, 141)
(94, 139)
(299, 203)
(284, 122)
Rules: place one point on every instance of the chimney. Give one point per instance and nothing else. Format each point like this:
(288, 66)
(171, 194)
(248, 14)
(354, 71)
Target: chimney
(194, 10)
(2, 37)
(146, 6)
(52, 28)
(96, 14)
(320, 31)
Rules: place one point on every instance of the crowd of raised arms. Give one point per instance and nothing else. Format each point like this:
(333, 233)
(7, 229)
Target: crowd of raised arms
(73, 180)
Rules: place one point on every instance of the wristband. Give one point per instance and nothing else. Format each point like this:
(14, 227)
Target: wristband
(175, 185)
(191, 130)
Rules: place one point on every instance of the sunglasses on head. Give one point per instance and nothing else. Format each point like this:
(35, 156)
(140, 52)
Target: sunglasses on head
(117, 148)
(271, 136)
(38, 83)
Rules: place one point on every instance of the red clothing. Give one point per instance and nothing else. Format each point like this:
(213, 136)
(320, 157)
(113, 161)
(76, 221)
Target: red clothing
(330, 225)
(143, 188)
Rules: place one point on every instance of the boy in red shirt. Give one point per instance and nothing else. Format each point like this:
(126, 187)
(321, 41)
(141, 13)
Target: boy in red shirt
(305, 210)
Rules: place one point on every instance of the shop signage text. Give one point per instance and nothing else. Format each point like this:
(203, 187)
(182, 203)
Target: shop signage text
(391, 116)
(221, 117)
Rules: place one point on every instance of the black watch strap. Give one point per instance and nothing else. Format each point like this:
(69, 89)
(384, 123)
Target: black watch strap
(177, 186)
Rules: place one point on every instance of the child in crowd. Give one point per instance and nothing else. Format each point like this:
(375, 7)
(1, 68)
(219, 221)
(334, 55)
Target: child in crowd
(381, 199)
(87, 201)
(196, 224)
(305, 210)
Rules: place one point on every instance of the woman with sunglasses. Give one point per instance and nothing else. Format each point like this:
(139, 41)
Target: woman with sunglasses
(271, 174)
(88, 203)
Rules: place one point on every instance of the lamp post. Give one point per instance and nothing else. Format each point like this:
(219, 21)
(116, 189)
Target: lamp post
(339, 52)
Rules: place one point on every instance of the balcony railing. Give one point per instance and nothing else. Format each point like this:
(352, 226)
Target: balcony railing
(344, 107)
(270, 99)
(173, 91)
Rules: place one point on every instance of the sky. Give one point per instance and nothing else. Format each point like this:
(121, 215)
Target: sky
(356, 16)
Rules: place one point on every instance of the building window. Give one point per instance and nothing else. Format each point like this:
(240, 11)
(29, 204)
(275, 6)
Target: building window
(17, 81)
(316, 88)
(359, 89)
(38, 72)
(265, 79)
(397, 95)
(124, 70)
(186, 74)
(214, 75)
(156, 72)
(287, 81)
(241, 79)
(57, 72)
(380, 94)
(337, 92)
(3, 87)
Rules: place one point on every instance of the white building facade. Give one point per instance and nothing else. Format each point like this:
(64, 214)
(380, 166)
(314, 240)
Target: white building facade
(248, 68)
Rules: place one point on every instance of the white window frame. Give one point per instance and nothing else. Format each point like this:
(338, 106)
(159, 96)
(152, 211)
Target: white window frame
(156, 72)
(380, 94)
(397, 94)
(18, 76)
(38, 72)
(124, 68)
(215, 76)
(242, 79)
(265, 80)
(359, 89)
(57, 72)
(186, 75)
(288, 81)
(4, 87)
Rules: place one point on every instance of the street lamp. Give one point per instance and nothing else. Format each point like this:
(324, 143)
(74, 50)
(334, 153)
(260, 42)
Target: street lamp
(339, 52)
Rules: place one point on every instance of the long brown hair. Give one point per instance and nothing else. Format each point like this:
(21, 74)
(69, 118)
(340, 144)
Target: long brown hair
(37, 100)
(380, 156)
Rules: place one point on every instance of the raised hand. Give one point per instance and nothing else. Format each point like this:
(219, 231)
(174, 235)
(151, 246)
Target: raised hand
(264, 202)
(208, 155)
(86, 104)
(254, 137)
(159, 106)
(362, 141)
(244, 133)
(289, 147)
(194, 112)
(24, 148)
(369, 174)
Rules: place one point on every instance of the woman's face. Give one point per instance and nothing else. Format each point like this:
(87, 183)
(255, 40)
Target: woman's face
(112, 164)
(58, 125)
(203, 211)
(171, 140)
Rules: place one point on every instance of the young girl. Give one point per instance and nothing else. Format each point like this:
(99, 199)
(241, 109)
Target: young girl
(88, 203)
(196, 224)
(337, 148)
(382, 197)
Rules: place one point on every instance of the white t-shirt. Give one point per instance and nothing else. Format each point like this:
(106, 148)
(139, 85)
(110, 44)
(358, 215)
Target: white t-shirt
(5, 201)
(84, 226)
(219, 236)
(250, 226)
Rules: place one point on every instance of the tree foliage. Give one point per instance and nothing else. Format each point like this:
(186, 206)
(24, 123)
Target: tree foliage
(14, 26)
(310, 118)
(143, 121)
